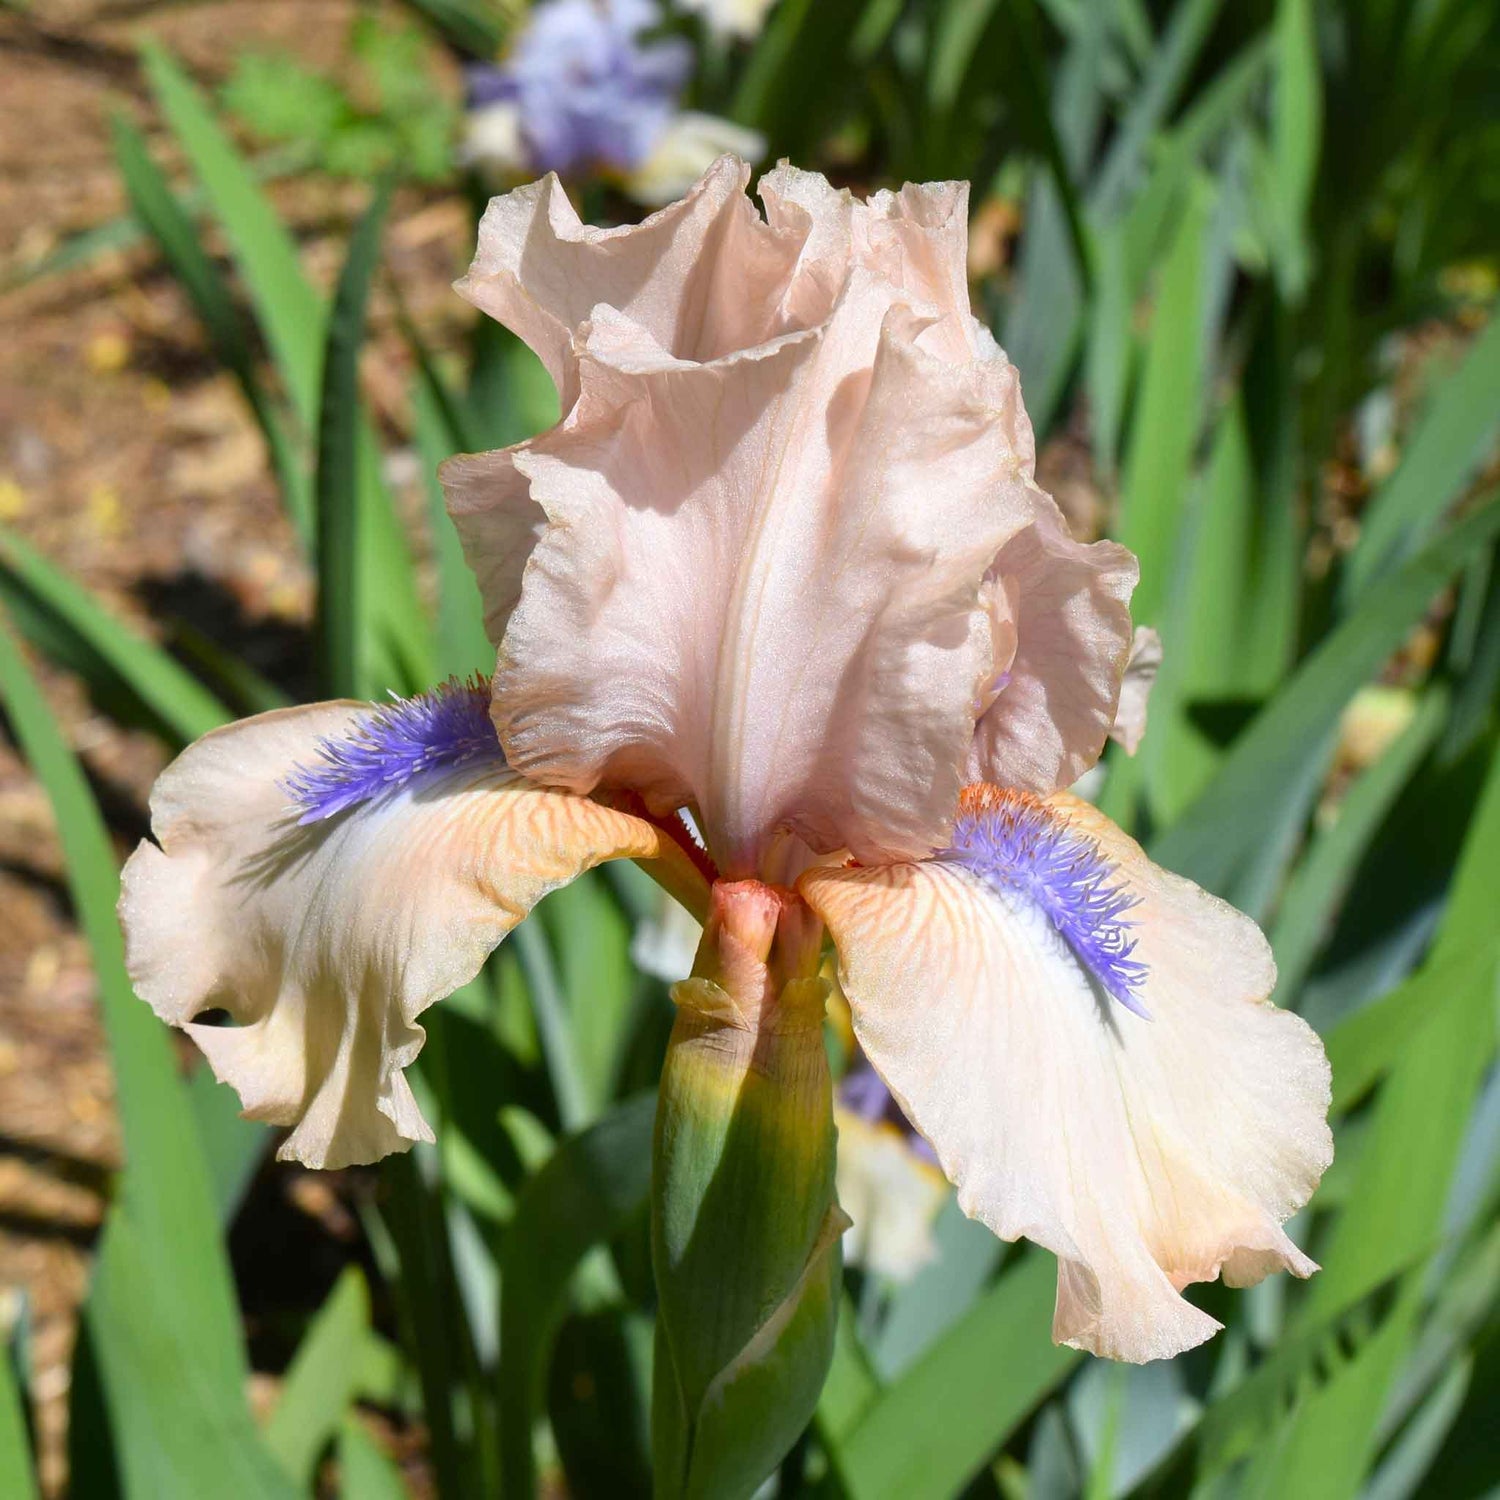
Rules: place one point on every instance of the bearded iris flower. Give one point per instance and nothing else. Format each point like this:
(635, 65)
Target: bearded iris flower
(590, 86)
(783, 565)
(586, 89)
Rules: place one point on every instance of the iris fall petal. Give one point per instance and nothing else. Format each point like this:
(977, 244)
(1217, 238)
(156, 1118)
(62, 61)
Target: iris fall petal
(325, 942)
(1147, 1154)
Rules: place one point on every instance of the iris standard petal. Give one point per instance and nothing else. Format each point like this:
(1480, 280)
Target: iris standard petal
(703, 276)
(916, 239)
(702, 279)
(1061, 623)
(1060, 608)
(323, 875)
(498, 523)
(758, 589)
(1145, 661)
(1147, 1154)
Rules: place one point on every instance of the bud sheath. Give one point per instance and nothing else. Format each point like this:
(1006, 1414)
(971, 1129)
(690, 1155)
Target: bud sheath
(745, 1228)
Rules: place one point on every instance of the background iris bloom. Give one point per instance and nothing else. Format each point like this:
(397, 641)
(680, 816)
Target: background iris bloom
(586, 86)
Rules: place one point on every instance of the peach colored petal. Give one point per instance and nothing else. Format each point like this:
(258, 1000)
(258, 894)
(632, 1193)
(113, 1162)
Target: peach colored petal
(1135, 689)
(1061, 611)
(757, 592)
(325, 943)
(707, 275)
(729, 457)
(1147, 1154)
(704, 276)
(915, 239)
(498, 524)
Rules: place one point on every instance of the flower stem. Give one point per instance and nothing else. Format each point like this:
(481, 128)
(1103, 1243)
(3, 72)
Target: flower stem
(745, 1226)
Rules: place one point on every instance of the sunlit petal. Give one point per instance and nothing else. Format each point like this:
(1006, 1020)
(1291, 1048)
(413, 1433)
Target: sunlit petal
(702, 276)
(1061, 613)
(1147, 1154)
(915, 239)
(758, 591)
(1135, 689)
(324, 883)
(498, 523)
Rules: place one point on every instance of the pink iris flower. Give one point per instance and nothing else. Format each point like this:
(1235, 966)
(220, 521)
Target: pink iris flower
(783, 567)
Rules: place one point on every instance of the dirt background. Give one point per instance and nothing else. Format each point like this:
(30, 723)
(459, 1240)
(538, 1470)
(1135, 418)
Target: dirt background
(129, 460)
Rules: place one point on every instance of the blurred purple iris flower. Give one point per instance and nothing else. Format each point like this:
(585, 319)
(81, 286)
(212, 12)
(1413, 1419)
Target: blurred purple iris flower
(588, 91)
(862, 1092)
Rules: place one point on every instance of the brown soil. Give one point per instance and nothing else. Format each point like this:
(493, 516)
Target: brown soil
(130, 461)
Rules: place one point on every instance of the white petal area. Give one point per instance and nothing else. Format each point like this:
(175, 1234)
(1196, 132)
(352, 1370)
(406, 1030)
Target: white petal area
(492, 139)
(891, 1196)
(758, 591)
(1129, 728)
(742, 18)
(325, 943)
(703, 276)
(1145, 1154)
(666, 941)
(688, 147)
(1062, 628)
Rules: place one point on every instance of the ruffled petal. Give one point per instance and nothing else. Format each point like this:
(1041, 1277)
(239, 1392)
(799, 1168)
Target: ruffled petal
(498, 524)
(1147, 1154)
(1129, 728)
(758, 589)
(708, 275)
(703, 276)
(1061, 622)
(915, 239)
(703, 279)
(325, 940)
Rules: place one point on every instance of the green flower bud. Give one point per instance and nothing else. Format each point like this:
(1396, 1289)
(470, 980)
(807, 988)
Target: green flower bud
(745, 1228)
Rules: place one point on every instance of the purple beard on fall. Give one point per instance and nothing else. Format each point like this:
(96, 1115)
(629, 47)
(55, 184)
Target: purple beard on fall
(1018, 845)
(394, 745)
